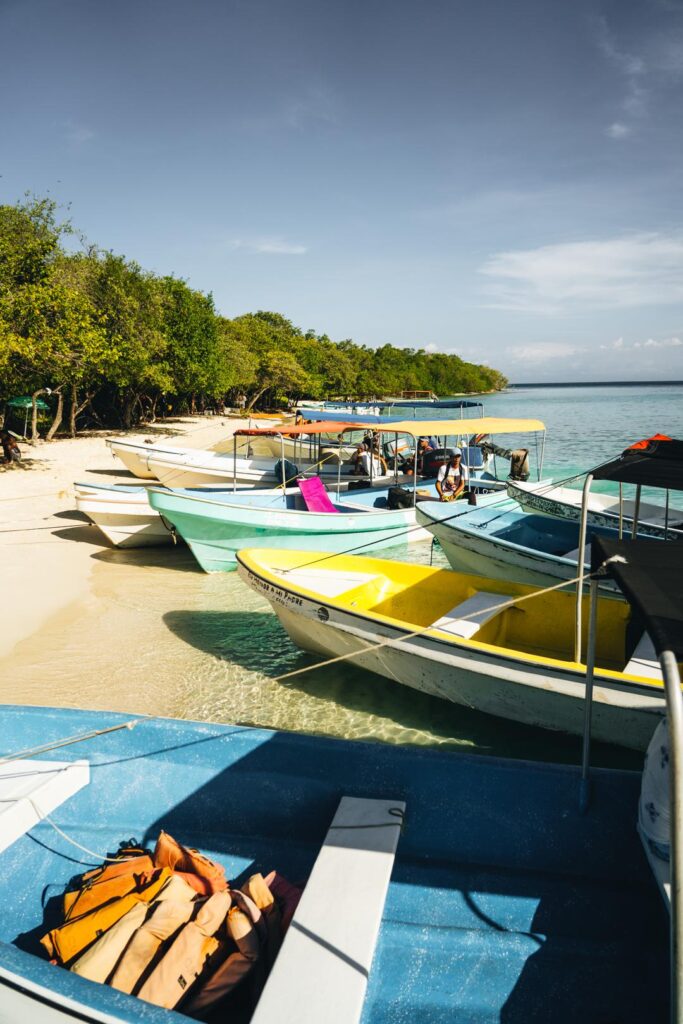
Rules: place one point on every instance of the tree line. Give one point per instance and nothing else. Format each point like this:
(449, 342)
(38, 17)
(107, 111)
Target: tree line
(116, 344)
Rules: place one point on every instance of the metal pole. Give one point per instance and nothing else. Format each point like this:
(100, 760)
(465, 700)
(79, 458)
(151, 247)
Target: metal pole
(666, 516)
(621, 511)
(636, 513)
(584, 792)
(283, 470)
(540, 468)
(234, 463)
(580, 567)
(395, 460)
(674, 701)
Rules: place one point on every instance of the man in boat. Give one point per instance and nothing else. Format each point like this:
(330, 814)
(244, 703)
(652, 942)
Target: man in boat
(453, 478)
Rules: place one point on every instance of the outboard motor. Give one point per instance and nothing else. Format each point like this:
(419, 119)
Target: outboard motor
(286, 472)
(519, 459)
(433, 460)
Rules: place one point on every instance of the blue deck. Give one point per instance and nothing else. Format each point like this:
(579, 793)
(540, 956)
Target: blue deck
(505, 903)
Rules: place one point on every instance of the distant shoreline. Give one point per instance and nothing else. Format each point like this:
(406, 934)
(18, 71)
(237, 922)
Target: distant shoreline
(597, 384)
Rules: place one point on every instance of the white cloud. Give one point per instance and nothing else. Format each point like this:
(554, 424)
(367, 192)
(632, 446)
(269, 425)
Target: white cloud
(273, 246)
(618, 130)
(664, 343)
(431, 347)
(617, 273)
(631, 67)
(77, 134)
(542, 351)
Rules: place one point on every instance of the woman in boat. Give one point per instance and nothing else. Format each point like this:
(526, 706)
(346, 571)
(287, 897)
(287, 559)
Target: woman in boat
(452, 479)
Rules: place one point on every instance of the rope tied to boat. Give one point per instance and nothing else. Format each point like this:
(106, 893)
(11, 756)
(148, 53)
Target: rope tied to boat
(393, 641)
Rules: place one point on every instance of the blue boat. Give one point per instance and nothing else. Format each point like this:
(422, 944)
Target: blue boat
(502, 542)
(505, 902)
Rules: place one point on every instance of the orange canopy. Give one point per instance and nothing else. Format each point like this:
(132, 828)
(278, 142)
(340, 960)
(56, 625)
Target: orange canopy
(319, 427)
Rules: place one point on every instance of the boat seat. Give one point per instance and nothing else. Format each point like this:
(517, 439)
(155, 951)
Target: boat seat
(315, 496)
(321, 972)
(574, 553)
(469, 616)
(644, 660)
(31, 789)
(661, 869)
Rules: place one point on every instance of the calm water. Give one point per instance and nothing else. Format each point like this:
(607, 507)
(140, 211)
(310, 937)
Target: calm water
(159, 636)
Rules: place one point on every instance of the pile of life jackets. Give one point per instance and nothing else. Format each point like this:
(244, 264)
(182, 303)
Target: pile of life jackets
(168, 927)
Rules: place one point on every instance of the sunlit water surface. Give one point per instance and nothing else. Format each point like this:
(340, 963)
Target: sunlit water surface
(157, 635)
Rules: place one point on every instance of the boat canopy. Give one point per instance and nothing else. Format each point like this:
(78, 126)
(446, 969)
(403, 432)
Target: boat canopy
(655, 462)
(482, 425)
(650, 575)
(321, 427)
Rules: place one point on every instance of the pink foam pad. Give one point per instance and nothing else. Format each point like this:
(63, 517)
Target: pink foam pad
(315, 495)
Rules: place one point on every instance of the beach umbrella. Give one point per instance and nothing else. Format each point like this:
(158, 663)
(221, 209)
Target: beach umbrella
(25, 402)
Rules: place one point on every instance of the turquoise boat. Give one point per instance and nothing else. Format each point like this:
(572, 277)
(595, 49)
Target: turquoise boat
(217, 527)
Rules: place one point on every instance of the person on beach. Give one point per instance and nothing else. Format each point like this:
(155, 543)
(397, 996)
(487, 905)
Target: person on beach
(452, 478)
(10, 449)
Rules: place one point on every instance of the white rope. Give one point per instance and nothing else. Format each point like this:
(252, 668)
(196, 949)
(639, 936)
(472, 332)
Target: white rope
(43, 816)
(56, 744)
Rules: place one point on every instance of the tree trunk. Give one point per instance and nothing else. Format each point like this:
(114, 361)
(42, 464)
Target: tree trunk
(255, 399)
(34, 413)
(127, 412)
(58, 414)
(76, 408)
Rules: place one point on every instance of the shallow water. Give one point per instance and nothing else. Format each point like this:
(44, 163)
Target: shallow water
(158, 636)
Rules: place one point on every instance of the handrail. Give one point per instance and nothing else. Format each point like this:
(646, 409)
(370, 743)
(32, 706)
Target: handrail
(674, 706)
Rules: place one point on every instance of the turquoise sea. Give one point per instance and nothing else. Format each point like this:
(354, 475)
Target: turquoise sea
(159, 636)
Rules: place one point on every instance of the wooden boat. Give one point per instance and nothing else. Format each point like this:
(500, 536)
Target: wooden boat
(216, 526)
(134, 455)
(462, 916)
(515, 662)
(603, 509)
(505, 543)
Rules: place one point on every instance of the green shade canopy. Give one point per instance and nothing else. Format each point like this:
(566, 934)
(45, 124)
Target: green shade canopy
(25, 402)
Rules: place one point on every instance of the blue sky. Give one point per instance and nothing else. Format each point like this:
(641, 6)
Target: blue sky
(498, 179)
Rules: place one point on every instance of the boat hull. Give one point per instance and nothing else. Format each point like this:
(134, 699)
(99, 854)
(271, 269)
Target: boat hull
(508, 685)
(216, 531)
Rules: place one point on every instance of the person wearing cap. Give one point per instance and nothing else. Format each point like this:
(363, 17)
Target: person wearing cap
(452, 478)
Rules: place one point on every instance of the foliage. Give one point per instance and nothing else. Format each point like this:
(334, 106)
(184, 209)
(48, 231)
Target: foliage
(116, 339)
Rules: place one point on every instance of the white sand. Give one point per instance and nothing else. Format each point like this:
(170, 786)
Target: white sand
(45, 565)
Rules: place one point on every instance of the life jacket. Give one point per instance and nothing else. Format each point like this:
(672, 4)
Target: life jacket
(163, 920)
(203, 874)
(246, 930)
(65, 943)
(107, 883)
(286, 894)
(100, 959)
(256, 888)
(188, 956)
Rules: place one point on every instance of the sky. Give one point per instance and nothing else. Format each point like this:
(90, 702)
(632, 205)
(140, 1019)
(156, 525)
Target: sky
(499, 179)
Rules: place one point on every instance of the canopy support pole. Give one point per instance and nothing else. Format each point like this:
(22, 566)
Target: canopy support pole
(584, 791)
(540, 465)
(674, 701)
(636, 513)
(234, 463)
(283, 471)
(580, 567)
(621, 511)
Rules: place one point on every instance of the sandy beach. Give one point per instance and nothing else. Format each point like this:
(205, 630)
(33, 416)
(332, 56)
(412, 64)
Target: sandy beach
(42, 572)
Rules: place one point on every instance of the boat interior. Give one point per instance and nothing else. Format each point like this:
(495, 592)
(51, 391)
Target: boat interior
(506, 903)
(466, 608)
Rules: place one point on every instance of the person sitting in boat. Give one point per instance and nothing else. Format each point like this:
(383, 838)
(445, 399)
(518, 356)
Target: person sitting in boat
(452, 479)
(369, 462)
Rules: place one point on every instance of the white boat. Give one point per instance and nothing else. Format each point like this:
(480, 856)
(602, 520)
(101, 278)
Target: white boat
(134, 454)
(446, 634)
(562, 502)
(123, 515)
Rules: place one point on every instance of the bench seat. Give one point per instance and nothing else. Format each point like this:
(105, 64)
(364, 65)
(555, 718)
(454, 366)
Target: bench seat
(321, 972)
(467, 618)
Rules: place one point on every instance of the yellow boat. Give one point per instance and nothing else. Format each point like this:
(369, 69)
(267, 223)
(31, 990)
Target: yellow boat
(514, 661)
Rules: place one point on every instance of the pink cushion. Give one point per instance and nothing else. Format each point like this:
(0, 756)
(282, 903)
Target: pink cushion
(315, 495)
